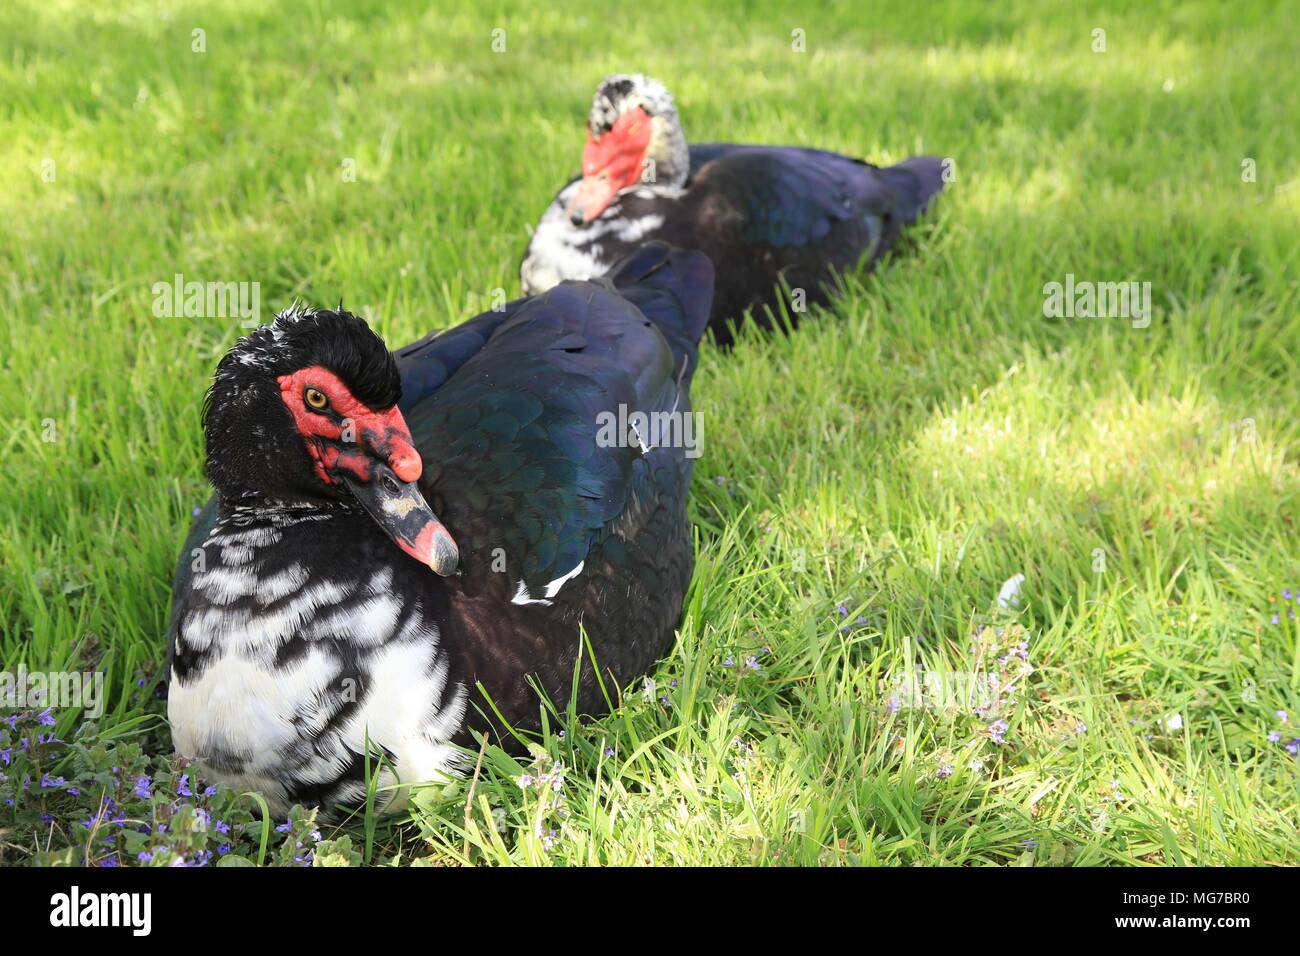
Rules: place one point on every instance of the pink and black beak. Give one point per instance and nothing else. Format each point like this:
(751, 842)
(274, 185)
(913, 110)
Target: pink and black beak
(399, 508)
(389, 492)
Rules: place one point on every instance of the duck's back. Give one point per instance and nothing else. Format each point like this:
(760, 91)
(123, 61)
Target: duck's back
(567, 517)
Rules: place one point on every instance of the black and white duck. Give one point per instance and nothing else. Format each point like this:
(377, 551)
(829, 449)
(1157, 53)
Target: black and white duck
(390, 530)
(767, 216)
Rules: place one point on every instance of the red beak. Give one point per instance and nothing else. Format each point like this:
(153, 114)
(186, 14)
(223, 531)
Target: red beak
(595, 193)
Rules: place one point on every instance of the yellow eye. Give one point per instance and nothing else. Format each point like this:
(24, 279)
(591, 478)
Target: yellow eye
(316, 399)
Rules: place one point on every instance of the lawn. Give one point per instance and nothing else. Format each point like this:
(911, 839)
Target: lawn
(867, 485)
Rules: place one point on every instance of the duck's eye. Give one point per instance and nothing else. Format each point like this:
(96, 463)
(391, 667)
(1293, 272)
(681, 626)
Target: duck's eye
(316, 399)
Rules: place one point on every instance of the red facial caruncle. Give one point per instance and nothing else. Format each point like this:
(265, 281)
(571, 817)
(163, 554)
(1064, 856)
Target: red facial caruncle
(611, 163)
(364, 434)
(372, 453)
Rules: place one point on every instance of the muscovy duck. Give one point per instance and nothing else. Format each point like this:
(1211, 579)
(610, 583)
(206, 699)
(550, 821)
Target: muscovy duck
(321, 603)
(765, 215)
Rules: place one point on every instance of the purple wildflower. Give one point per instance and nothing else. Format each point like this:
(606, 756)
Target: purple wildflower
(183, 788)
(45, 718)
(1274, 736)
(997, 730)
(142, 788)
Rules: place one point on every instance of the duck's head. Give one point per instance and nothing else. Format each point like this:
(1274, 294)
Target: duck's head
(304, 410)
(634, 137)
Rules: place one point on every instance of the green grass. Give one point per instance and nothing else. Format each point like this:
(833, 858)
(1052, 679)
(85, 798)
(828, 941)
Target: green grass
(903, 454)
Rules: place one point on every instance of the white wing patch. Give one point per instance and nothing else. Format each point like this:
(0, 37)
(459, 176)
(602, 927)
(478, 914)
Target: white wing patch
(553, 588)
(522, 595)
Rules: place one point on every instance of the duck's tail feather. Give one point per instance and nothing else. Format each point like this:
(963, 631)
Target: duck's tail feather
(915, 182)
